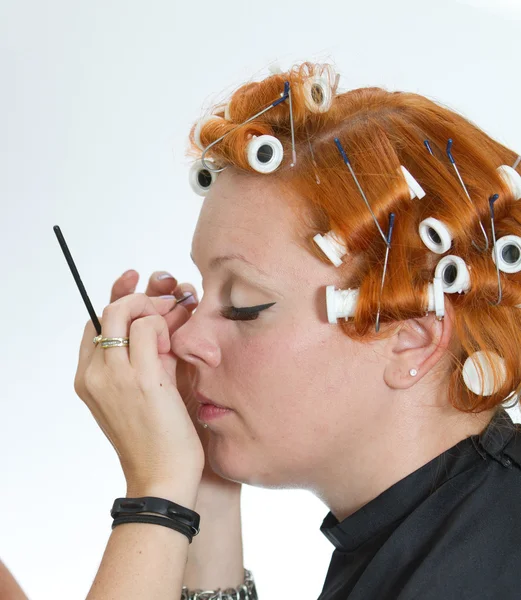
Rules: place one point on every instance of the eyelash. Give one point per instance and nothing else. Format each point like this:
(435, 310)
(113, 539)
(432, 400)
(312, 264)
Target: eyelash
(249, 313)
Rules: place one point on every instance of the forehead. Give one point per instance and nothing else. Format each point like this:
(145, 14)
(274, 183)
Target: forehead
(250, 214)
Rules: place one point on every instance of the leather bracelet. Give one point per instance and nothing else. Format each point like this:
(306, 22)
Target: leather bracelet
(155, 520)
(159, 506)
(246, 591)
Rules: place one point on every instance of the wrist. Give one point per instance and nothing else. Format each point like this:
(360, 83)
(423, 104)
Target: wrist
(182, 492)
(217, 496)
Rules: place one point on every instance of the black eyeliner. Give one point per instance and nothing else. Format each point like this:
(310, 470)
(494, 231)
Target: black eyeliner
(252, 309)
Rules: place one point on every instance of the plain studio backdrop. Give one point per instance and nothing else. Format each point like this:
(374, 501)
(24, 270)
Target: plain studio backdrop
(97, 99)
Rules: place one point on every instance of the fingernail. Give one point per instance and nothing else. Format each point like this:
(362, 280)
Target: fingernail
(168, 297)
(188, 299)
(165, 276)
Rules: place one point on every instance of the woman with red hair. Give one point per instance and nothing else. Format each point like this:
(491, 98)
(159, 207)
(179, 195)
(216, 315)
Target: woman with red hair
(358, 337)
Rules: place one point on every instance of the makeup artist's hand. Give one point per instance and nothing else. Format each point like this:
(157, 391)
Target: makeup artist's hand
(126, 284)
(133, 395)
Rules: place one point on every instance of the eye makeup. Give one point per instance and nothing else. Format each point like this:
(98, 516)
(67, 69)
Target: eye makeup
(248, 313)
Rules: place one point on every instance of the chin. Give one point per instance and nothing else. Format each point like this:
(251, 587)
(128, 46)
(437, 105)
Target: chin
(247, 472)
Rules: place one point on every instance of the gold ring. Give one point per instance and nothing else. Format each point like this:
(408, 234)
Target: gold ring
(110, 342)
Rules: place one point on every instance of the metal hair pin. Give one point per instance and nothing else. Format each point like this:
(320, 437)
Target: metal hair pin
(428, 146)
(346, 160)
(388, 241)
(313, 157)
(491, 201)
(284, 96)
(451, 158)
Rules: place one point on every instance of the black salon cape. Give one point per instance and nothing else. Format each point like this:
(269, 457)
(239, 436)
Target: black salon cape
(450, 530)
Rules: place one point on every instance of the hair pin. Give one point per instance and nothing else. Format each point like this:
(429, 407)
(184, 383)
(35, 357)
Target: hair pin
(428, 146)
(346, 160)
(388, 241)
(491, 201)
(451, 158)
(284, 96)
(313, 157)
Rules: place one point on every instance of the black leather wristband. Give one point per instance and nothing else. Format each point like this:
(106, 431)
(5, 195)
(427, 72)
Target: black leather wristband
(155, 520)
(160, 506)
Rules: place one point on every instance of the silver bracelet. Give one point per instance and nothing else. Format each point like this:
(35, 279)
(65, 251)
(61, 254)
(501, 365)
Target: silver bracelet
(246, 591)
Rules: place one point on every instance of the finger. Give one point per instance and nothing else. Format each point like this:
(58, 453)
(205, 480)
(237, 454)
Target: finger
(149, 338)
(119, 316)
(124, 285)
(177, 317)
(86, 353)
(180, 314)
(161, 283)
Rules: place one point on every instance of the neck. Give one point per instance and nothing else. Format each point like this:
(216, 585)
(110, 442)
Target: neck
(392, 445)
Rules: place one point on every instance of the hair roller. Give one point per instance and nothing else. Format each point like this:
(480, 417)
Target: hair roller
(454, 275)
(219, 110)
(478, 373)
(198, 127)
(340, 303)
(318, 93)
(264, 153)
(332, 246)
(227, 112)
(435, 235)
(512, 179)
(415, 189)
(436, 298)
(508, 251)
(201, 178)
(217, 131)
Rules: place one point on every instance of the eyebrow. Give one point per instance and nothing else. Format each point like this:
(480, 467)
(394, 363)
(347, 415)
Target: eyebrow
(219, 260)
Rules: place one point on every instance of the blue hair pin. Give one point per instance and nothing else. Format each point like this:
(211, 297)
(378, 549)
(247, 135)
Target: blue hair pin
(451, 158)
(346, 160)
(276, 146)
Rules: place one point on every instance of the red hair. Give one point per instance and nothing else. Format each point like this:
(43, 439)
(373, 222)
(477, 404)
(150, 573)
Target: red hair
(380, 131)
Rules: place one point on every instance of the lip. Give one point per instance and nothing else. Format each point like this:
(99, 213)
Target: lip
(204, 400)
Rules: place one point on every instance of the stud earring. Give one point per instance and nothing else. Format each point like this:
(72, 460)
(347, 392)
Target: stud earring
(413, 372)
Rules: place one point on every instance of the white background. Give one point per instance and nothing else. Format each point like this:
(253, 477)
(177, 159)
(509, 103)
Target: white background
(97, 99)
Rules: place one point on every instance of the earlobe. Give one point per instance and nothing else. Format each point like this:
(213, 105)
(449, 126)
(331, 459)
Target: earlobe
(417, 347)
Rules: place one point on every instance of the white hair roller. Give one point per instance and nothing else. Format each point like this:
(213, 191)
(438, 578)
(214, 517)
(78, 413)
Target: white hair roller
(454, 274)
(274, 68)
(200, 178)
(332, 246)
(318, 91)
(473, 379)
(435, 235)
(199, 126)
(415, 189)
(508, 249)
(512, 178)
(340, 303)
(436, 298)
(264, 153)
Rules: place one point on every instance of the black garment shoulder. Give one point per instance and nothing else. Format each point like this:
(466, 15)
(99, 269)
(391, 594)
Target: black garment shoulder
(450, 530)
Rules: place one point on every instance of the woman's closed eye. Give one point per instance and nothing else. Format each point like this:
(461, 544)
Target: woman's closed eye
(247, 313)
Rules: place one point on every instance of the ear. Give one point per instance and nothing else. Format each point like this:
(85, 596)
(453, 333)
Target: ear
(419, 345)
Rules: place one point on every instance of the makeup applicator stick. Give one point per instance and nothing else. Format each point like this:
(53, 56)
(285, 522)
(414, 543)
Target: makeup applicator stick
(77, 278)
(79, 283)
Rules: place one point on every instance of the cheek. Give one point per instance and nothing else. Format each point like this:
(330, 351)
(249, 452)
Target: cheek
(282, 370)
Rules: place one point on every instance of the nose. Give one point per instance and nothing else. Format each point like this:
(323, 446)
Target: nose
(195, 341)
